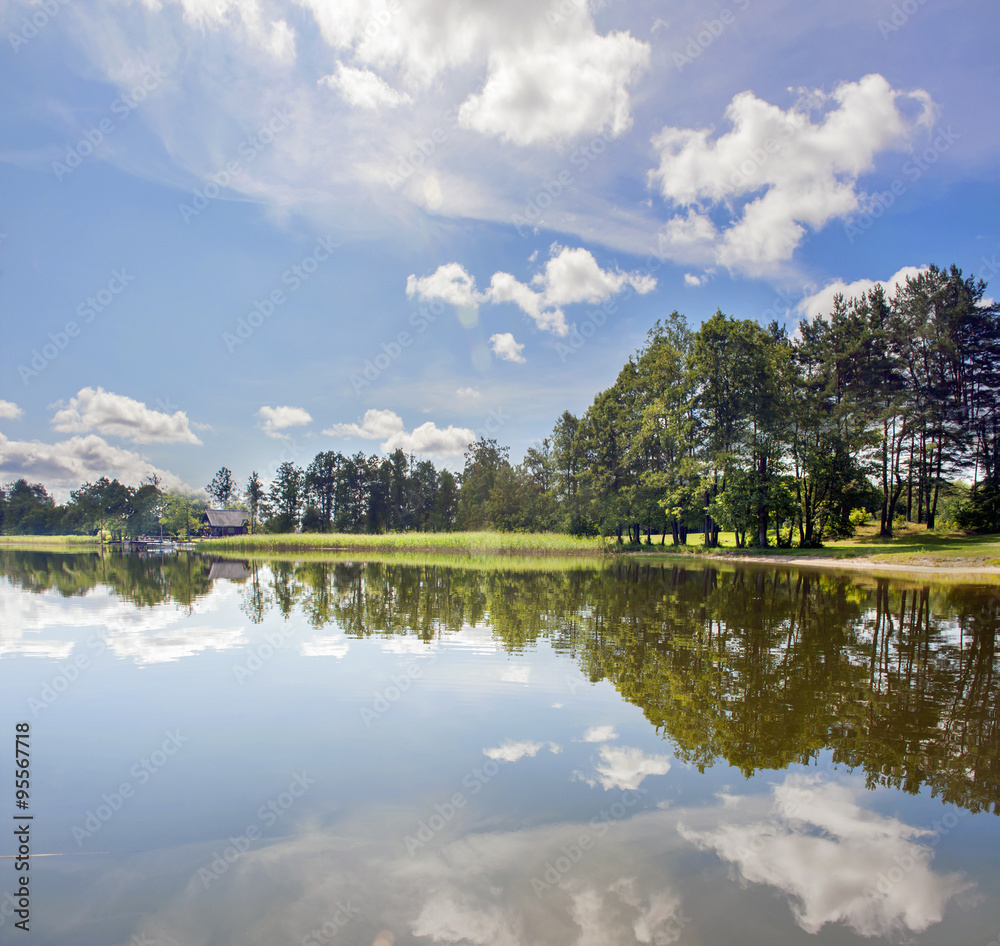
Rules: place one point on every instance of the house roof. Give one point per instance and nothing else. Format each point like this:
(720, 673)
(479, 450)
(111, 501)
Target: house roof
(234, 571)
(224, 518)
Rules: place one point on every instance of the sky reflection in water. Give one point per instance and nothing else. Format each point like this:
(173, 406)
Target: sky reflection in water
(579, 756)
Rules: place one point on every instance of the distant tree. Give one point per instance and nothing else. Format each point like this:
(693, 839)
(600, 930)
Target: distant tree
(181, 515)
(483, 460)
(223, 488)
(321, 479)
(286, 497)
(442, 518)
(256, 499)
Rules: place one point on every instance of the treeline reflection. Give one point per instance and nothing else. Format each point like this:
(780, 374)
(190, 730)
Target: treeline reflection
(756, 667)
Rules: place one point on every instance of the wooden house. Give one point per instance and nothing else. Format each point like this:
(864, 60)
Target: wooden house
(222, 522)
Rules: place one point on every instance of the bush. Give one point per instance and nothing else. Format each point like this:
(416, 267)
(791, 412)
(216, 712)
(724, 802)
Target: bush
(860, 517)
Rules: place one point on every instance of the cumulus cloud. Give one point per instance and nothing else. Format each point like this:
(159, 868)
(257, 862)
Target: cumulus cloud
(545, 81)
(64, 465)
(512, 751)
(691, 280)
(449, 283)
(600, 734)
(175, 644)
(115, 415)
(376, 425)
(274, 420)
(275, 37)
(791, 172)
(388, 427)
(833, 860)
(467, 392)
(820, 304)
(546, 92)
(571, 275)
(626, 768)
(9, 410)
(505, 347)
(363, 88)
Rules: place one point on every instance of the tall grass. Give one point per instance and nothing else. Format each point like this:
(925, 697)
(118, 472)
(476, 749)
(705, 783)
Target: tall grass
(48, 541)
(491, 543)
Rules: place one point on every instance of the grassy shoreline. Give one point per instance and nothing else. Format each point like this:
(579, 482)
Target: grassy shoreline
(49, 541)
(479, 543)
(913, 550)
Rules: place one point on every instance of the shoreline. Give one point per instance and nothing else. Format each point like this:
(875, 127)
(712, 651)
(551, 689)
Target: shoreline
(946, 563)
(860, 563)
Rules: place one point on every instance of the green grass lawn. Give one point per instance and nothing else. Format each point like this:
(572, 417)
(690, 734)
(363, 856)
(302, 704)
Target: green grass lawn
(912, 544)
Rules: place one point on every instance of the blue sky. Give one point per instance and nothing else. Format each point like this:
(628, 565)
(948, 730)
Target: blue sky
(234, 233)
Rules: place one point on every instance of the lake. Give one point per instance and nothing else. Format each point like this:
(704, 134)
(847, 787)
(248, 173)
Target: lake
(412, 752)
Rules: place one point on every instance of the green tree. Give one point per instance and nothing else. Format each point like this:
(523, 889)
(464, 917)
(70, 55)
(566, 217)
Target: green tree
(223, 488)
(286, 497)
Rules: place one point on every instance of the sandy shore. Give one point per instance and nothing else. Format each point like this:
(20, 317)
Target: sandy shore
(955, 569)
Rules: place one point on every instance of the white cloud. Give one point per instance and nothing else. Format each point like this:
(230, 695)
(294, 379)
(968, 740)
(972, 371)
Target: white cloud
(516, 673)
(504, 346)
(363, 88)
(792, 172)
(276, 419)
(549, 92)
(625, 767)
(388, 426)
(467, 392)
(67, 464)
(571, 275)
(833, 860)
(512, 751)
(376, 425)
(691, 280)
(167, 647)
(274, 37)
(449, 283)
(115, 415)
(334, 646)
(820, 304)
(9, 410)
(600, 734)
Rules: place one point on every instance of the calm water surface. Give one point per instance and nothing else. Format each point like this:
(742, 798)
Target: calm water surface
(303, 753)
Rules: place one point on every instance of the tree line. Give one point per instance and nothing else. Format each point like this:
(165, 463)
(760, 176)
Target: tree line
(884, 407)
